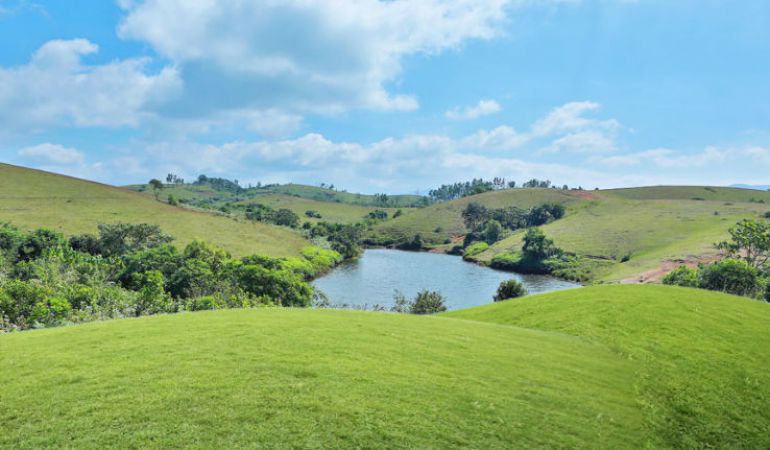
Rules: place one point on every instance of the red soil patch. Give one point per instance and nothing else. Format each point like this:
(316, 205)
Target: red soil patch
(657, 274)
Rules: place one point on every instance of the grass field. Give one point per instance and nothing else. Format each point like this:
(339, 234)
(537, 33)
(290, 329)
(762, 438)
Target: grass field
(651, 226)
(702, 370)
(283, 378)
(301, 191)
(603, 367)
(34, 199)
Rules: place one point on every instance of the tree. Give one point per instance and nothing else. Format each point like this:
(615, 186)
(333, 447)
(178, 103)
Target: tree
(346, 240)
(156, 186)
(750, 241)
(730, 275)
(510, 289)
(286, 217)
(492, 231)
(474, 215)
(537, 246)
(121, 238)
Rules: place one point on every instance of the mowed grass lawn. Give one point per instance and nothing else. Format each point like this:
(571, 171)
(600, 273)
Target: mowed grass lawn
(289, 378)
(701, 358)
(34, 199)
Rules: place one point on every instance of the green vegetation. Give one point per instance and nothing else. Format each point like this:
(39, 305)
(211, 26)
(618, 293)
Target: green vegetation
(262, 378)
(33, 199)
(510, 289)
(614, 235)
(746, 270)
(132, 270)
(699, 358)
(425, 302)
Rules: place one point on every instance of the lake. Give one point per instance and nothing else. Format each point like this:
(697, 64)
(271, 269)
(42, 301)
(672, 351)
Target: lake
(374, 278)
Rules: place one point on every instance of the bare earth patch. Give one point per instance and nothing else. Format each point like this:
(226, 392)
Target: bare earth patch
(666, 266)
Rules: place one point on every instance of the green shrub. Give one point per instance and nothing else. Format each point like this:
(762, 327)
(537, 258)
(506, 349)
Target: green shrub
(51, 311)
(206, 303)
(510, 289)
(730, 275)
(682, 276)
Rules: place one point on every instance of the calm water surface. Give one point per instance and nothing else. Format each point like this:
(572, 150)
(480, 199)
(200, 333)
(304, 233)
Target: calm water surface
(373, 279)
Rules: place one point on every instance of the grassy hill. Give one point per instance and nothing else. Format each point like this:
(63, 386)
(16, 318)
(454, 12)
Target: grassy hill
(702, 370)
(283, 378)
(301, 191)
(654, 228)
(604, 367)
(33, 199)
(330, 211)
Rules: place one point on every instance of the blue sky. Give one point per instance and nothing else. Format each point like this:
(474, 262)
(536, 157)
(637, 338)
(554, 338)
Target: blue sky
(396, 96)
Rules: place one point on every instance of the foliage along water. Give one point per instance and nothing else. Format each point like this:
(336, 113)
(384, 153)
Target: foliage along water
(374, 278)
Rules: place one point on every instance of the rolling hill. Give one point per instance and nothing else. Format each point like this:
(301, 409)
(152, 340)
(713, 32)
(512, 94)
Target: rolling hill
(33, 199)
(631, 234)
(702, 375)
(604, 367)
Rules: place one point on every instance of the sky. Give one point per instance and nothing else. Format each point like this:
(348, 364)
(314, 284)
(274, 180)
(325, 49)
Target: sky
(391, 96)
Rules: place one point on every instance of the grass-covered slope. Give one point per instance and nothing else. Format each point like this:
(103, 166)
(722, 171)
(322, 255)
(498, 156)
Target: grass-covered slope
(631, 233)
(443, 220)
(330, 211)
(701, 360)
(34, 199)
(283, 378)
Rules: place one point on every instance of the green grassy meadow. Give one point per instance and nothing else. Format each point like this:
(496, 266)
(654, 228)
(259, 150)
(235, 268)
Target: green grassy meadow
(700, 358)
(34, 199)
(603, 367)
(289, 378)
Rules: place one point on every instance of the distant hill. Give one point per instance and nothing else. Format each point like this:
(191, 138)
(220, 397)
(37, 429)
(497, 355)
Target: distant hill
(759, 187)
(32, 199)
(634, 234)
(215, 196)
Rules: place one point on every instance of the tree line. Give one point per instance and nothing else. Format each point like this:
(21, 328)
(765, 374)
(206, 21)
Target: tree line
(133, 270)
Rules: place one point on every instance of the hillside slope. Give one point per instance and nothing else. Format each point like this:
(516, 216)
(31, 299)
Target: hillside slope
(701, 360)
(32, 199)
(283, 378)
(646, 227)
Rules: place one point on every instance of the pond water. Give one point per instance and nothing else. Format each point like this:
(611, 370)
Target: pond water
(374, 278)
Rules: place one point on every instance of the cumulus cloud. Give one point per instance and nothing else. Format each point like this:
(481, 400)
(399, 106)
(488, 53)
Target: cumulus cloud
(311, 55)
(53, 153)
(483, 108)
(56, 89)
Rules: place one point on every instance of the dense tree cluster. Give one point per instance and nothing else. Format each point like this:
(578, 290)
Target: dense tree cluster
(264, 213)
(488, 224)
(133, 270)
(220, 184)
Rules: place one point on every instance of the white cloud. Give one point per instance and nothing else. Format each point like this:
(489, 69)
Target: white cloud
(591, 141)
(483, 108)
(55, 88)
(53, 153)
(307, 55)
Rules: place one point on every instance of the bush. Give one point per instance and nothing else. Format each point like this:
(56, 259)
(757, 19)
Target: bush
(731, 276)
(426, 302)
(206, 303)
(537, 246)
(286, 217)
(510, 289)
(313, 214)
(682, 276)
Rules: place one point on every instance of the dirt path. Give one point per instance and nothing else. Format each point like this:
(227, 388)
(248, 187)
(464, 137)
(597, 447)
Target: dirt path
(666, 266)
